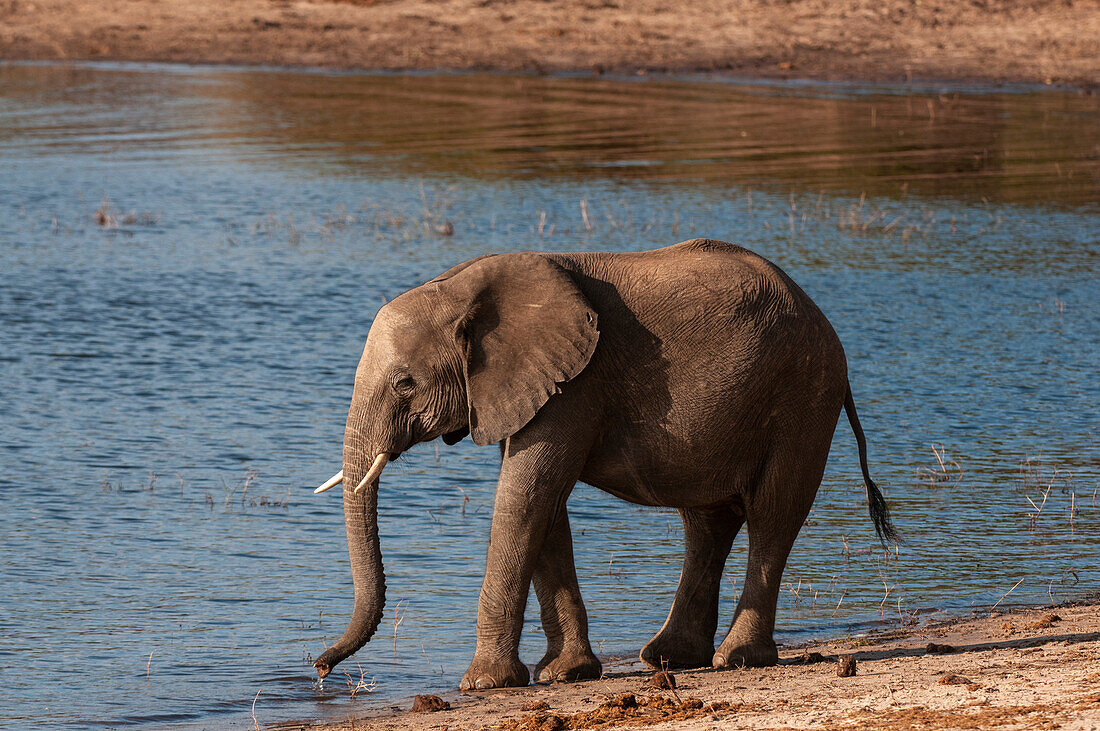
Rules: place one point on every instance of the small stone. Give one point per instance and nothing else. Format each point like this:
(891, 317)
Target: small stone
(845, 666)
(429, 704)
(663, 679)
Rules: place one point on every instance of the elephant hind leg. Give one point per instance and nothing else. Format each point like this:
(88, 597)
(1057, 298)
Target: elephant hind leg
(775, 517)
(687, 637)
(569, 655)
(749, 642)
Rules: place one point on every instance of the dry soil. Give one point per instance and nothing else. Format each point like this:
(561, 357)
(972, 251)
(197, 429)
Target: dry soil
(1044, 41)
(1034, 669)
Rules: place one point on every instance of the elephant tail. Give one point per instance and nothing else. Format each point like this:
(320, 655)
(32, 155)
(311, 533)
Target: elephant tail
(880, 513)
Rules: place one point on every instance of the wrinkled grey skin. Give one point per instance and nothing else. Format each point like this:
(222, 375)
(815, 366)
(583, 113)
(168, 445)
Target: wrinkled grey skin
(698, 377)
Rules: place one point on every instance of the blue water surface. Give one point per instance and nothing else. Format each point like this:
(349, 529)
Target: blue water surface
(190, 260)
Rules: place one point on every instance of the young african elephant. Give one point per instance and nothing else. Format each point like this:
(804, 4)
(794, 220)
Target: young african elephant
(698, 377)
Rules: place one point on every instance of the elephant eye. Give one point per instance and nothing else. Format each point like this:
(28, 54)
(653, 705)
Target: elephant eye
(404, 384)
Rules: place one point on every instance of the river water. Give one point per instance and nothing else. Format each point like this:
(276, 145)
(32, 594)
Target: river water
(190, 259)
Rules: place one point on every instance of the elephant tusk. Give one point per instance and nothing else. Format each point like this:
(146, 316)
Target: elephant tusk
(374, 471)
(330, 482)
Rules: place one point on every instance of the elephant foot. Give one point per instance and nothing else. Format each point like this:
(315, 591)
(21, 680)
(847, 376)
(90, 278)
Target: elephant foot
(669, 650)
(488, 674)
(757, 655)
(579, 664)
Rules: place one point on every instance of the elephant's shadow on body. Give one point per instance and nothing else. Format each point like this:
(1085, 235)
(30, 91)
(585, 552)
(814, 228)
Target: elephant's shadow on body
(649, 369)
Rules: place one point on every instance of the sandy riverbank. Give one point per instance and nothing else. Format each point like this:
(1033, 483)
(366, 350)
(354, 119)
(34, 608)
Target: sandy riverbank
(1035, 668)
(1044, 41)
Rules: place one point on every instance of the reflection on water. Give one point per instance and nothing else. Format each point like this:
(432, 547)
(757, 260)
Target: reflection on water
(191, 260)
(1019, 147)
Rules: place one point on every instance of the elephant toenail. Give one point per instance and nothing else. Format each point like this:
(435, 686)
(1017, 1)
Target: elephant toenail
(545, 676)
(718, 661)
(484, 683)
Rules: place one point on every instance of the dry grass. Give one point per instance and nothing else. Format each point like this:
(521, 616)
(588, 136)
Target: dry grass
(1005, 596)
(1034, 716)
(946, 473)
(399, 617)
(243, 483)
(1036, 476)
(360, 685)
(106, 217)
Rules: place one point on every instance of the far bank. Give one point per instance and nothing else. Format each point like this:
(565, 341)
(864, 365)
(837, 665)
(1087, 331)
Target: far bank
(1041, 41)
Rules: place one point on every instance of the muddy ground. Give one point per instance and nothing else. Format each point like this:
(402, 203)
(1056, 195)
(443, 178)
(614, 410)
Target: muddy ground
(1043, 41)
(1035, 669)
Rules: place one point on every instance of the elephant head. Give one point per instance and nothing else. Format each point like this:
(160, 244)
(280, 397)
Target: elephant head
(477, 350)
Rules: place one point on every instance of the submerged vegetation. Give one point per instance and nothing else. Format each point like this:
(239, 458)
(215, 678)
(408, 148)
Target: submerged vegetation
(947, 472)
(237, 493)
(903, 233)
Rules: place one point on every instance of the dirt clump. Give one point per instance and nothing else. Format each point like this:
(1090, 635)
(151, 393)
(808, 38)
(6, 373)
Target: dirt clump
(845, 666)
(953, 679)
(935, 649)
(540, 722)
(809, 658)
(535, 706)
(1046, 622)
(662, 679)
(429, 704)
(626, 709)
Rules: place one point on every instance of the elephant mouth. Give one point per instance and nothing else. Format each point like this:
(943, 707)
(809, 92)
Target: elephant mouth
(456, 436)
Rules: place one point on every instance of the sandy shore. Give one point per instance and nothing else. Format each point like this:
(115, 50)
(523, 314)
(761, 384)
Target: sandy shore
(1044, 41)
(1036, 668)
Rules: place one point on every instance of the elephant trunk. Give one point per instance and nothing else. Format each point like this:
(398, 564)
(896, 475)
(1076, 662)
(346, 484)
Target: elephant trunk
(361, 523)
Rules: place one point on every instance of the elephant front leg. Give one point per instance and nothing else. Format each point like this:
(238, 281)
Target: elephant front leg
(534, 481)
(569, 655)
(514, 540)
(687, 637)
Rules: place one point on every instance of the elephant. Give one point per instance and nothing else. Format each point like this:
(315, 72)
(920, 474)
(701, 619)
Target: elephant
(697, 376)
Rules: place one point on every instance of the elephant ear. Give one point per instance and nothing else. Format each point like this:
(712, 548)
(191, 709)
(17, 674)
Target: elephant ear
(527, 328)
